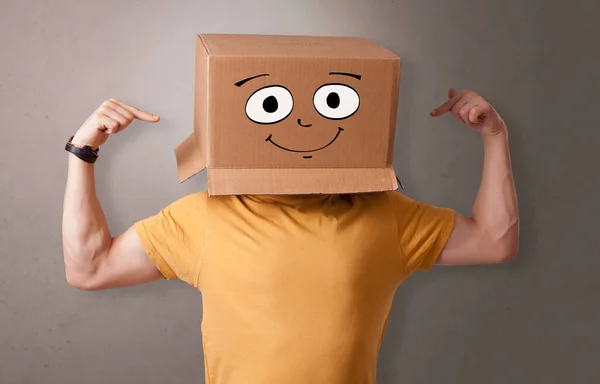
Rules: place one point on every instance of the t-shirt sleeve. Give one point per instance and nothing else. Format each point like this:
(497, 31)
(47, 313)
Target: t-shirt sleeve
(423, 231)
(174, 238)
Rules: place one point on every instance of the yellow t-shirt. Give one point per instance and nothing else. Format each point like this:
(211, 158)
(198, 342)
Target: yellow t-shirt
(296, 289)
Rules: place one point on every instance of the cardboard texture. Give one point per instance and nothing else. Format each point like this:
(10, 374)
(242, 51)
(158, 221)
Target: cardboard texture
(292, 115)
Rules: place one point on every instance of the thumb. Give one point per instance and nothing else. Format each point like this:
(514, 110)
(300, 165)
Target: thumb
(452, 93)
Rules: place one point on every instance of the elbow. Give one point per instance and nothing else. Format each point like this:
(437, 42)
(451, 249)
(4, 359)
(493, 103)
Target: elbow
(508, 254)
(506, 249)
(82, 281)
(85, 279)
(83, 269)
(500, 254)
(500, 241)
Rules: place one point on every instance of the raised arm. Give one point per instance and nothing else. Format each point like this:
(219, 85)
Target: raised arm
(491, 234)
(95, 260)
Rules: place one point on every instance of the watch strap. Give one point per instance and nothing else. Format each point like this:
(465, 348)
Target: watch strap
(85, 153)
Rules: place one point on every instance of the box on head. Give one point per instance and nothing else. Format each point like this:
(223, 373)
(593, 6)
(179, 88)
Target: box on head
(292, 115)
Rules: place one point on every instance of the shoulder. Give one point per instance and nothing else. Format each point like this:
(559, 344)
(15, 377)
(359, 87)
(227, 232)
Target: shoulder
(191, 200)
(187, 205)
(390, 200)
(399, 199)
(401, 203)
(410, 211)
(407, 208)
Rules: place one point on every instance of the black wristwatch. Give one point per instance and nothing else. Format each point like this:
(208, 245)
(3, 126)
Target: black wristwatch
(86, 153)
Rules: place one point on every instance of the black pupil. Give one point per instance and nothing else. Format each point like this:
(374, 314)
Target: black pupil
(270, 104)
(333, 100)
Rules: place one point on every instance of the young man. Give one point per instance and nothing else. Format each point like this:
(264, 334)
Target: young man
(296, 289)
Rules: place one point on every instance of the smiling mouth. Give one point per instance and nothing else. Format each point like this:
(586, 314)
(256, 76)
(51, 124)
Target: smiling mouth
(340, 129)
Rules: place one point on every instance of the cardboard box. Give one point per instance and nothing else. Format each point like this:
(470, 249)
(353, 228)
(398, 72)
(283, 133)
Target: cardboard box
(292, 115)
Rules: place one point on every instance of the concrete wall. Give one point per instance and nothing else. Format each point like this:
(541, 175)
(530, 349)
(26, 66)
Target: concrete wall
(534, 320)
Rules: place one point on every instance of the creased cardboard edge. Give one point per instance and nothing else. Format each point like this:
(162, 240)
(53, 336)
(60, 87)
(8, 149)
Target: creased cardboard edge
(300, 181)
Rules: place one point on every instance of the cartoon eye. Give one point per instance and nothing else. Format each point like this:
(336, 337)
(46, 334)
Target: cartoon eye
(336, 101)
(269, 105)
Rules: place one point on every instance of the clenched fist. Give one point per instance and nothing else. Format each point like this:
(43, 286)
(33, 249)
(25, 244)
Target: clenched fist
(112, 117)
(471, 109)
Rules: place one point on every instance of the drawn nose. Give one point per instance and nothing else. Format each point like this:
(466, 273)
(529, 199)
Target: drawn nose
(303, 125)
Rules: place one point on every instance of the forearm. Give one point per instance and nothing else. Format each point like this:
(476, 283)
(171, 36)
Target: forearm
(86, 238)
(495, 211)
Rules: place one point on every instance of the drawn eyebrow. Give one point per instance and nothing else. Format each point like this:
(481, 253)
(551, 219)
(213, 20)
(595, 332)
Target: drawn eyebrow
(346, 74)
(242, 82)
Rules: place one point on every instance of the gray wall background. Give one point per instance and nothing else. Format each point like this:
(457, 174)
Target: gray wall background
(534, 320)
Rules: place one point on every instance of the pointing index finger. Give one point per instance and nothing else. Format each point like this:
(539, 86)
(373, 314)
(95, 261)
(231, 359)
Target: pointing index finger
(447, 106)
(138, 113)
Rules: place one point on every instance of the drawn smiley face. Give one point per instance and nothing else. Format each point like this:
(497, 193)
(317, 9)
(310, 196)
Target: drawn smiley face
(273, 104)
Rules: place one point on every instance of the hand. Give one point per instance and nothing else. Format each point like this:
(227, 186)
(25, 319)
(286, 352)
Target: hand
(112, 117)
(471, 109)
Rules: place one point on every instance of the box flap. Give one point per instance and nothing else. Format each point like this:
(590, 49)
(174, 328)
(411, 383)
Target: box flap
(299, 181)
(190, 159)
